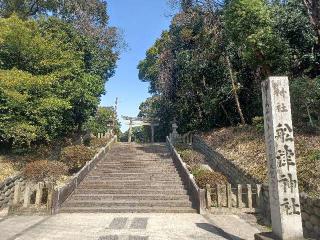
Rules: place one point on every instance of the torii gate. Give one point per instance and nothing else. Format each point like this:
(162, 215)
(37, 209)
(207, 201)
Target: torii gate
(139, 121)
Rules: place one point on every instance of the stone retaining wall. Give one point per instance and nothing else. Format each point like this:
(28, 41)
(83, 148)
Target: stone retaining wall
(310, 211)
(234, 174)
(310, 208)
(7, 190)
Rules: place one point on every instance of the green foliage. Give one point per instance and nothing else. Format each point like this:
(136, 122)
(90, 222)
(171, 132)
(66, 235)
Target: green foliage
(51, 78)
(139, 135)
(75, 157)
(258, 123)
(306, 101)
(65, 9)
(44, 170)
(102, 121)
(157, 109)
(249, 25)
(214, 54)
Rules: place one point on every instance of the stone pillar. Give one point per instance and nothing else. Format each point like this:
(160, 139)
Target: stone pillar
(130, 131)
(174, 134)
(39, 194)
(283, 181)
(17, 194)
(152, 133)
(27, 195)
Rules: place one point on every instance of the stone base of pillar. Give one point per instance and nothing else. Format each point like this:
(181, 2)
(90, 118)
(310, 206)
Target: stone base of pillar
(270, 236)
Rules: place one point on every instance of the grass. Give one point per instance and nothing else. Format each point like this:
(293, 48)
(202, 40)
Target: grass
(195, 161)
(8, 168)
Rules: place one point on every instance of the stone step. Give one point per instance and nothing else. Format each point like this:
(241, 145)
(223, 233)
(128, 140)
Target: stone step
(122, 180)
(135, 175)
(135, 164)
(136, 170)
(132, 157)
(145, 158)
(147, 181)
(128, 203)
(128, 184)
(128, 210)
(158, 187)
(132, 178)
(159, 177)
(133, 171)
(129, 196)
(131, 191)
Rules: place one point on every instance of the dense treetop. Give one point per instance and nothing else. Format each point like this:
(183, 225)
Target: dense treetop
(55, 58)
(206, 70)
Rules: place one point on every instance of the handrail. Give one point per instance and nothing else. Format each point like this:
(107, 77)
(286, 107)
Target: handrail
(197, 194)
(61, 195)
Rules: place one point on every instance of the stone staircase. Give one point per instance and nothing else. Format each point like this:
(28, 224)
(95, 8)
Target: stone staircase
(132, 178)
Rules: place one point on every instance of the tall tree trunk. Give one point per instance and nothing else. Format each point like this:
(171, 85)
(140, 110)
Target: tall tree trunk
(227, 115)
(313, 8)
(199, 106)
(309, 115)
(235, 89)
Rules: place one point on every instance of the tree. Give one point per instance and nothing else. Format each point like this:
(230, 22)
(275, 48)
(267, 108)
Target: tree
(313, 7)
(306, 102)
(250, 27)
(89, 17)
(103, 121)
(206, 70)
(51, 79)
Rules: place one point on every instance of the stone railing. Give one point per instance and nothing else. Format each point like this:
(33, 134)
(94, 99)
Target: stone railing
(60, 195)
(234, 174)
(7, 190)
(197, 194)
(239, 198)
(31, 198)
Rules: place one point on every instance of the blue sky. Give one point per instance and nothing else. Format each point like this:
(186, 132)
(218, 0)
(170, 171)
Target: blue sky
(142, 22)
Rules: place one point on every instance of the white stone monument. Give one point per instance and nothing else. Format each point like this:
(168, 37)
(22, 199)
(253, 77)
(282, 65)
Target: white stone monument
(283, 181)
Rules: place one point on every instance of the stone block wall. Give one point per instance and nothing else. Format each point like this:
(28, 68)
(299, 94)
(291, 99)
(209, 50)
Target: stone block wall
(310, 212)
(7, 190)
(234, 174)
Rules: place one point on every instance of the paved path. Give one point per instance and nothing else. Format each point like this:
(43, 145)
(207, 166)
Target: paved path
(80, 226)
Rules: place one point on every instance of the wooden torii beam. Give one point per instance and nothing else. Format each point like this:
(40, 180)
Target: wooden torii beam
(139, 121)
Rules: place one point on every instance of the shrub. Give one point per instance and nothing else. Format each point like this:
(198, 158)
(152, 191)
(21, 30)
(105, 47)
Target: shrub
(309, 172)
(182, 146)
(75, 157)
(98, 142)
(44, 170)
(204, 176)
(191, 157)
(258, 123)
